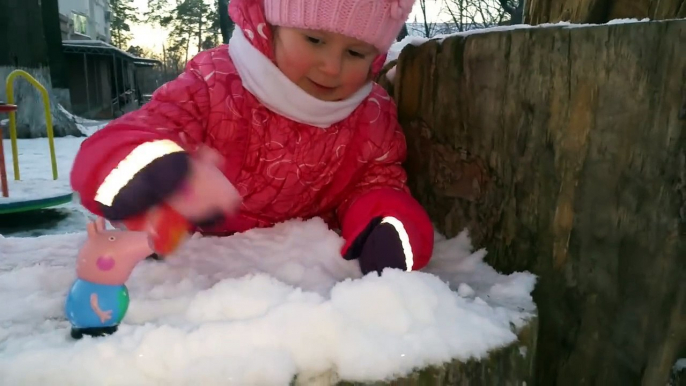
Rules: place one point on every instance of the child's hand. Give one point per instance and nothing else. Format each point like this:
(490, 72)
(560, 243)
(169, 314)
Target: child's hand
(206, 193)
(174, 194)
(381, 246)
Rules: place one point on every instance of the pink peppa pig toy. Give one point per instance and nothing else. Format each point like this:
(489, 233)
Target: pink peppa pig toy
(98, 299)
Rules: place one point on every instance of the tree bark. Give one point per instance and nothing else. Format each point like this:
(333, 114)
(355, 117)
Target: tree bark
(53, 40)
(563, 151)
(20, 18)
(35, 52)
(601, 11)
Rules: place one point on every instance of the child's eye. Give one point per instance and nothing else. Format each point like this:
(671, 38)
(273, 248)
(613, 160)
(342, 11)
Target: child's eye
(313, 40)
(356, 54)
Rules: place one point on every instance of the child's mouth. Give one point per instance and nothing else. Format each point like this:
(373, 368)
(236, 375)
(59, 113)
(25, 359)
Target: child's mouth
(321, 87)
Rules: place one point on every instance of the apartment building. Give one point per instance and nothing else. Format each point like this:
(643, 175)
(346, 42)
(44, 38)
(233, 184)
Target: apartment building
(85, 20)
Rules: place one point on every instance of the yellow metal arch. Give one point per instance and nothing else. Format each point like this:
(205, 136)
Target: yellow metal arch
(9, 88)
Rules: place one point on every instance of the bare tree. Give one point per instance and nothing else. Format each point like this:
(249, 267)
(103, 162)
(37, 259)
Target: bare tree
(429, 28)
(456, 10)
(474, 14)
(464, 15)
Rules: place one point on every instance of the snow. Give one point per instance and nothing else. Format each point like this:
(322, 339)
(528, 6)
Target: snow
(35, 168)
(256, 308)
(86, 126)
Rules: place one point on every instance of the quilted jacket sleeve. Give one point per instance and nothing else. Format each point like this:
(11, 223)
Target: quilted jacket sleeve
(381, 191)
(178, 111)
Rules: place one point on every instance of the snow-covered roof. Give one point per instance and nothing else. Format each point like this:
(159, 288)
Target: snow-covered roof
(100, 47)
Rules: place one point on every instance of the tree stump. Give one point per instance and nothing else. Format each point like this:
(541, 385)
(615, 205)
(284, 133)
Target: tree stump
(601, 11)
(563, 151)
(31, 112)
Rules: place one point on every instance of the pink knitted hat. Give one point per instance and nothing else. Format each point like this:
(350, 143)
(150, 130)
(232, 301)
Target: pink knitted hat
(376, 22)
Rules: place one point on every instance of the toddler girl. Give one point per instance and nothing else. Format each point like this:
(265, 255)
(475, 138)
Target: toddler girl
(301, 129)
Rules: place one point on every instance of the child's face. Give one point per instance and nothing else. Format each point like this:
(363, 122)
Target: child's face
(326, 65)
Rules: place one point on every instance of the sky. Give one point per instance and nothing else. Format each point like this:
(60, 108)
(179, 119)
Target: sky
(154, 37)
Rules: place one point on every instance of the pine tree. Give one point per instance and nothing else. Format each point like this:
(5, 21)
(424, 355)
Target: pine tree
(226, 25)
(190, 22)
(123, 13)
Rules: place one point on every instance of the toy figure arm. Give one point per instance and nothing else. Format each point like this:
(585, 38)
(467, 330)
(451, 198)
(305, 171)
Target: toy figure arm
(103, 315)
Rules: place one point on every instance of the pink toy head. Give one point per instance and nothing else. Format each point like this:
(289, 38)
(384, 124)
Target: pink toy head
(109, 256)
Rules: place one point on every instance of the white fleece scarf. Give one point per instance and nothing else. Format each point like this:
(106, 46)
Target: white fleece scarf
(271, 87)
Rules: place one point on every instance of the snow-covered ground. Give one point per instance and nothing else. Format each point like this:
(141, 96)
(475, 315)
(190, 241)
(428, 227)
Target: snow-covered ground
(36, 182)
(256, 309)
(35, 168)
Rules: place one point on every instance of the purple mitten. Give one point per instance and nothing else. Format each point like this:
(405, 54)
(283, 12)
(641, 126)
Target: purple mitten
(149, 186)
(379, 246)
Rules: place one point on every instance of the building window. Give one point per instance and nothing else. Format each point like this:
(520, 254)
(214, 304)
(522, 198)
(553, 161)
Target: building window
(80, 24)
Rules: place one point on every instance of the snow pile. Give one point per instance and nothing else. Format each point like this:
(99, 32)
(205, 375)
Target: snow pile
(35, 168)
(256, 308)
(86, 126)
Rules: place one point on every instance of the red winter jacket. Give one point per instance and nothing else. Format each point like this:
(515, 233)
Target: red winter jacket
(348, 173)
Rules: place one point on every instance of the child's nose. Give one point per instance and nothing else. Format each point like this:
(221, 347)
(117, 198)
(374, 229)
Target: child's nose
(331, 64)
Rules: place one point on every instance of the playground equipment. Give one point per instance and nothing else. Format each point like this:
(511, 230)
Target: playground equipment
(26, 204)
(4, 108)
